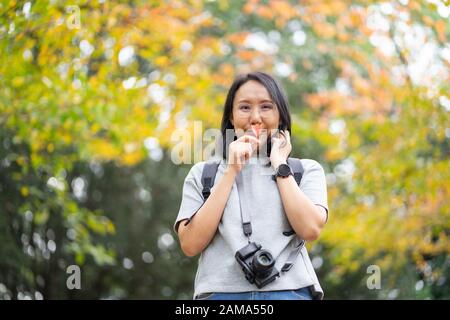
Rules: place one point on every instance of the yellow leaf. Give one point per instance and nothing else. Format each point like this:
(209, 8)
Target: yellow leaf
(24, 191)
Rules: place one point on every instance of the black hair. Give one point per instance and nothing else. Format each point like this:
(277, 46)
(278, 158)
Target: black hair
(276, 93)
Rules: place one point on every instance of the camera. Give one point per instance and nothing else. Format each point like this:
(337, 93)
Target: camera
(258, 264)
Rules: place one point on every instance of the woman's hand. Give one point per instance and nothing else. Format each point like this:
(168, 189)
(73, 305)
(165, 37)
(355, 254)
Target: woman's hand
(281, 148)
(240, 151)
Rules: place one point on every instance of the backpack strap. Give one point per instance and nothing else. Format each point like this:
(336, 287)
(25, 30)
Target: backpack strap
(208, 177)
(297, 169)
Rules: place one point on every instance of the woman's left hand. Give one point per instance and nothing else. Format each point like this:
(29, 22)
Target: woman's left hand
(281, 148)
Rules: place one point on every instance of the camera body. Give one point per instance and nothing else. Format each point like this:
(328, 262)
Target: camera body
(258, 264)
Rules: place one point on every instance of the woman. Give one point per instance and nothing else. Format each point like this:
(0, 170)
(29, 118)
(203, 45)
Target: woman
(244, 189)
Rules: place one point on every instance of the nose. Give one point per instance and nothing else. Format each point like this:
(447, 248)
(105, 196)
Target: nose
(255, 117)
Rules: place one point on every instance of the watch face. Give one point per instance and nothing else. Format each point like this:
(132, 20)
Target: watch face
(284, 170)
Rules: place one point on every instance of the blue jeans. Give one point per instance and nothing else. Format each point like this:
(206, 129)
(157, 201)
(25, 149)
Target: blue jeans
(298, 294)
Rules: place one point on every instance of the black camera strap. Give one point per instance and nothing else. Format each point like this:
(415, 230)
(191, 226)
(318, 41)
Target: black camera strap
(245, 213)
(293, 256)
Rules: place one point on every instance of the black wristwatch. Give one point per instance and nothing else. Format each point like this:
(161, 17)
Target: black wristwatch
(283, 171)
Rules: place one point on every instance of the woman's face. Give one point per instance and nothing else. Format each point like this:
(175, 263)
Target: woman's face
(253, 107)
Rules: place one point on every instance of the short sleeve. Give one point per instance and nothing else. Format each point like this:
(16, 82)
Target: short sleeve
(314, 184)
(192, 199)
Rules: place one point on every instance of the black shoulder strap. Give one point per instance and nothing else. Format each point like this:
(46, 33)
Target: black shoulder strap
(208, 176)
(297, 169)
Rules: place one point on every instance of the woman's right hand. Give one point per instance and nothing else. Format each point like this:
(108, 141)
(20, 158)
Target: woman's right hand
(240, 152)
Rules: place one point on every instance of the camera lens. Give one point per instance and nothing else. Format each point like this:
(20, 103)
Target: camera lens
(264, 259)
(263, 263)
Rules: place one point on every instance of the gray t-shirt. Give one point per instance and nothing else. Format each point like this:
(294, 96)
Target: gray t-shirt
(218, 270)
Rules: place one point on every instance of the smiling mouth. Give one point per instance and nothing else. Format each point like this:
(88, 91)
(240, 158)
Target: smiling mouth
(256, 130)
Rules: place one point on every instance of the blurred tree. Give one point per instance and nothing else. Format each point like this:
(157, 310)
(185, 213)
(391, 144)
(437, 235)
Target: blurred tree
(87, 87)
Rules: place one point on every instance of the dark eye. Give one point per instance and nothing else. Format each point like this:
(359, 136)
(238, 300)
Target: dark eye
(244, 107)
(267, 106)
